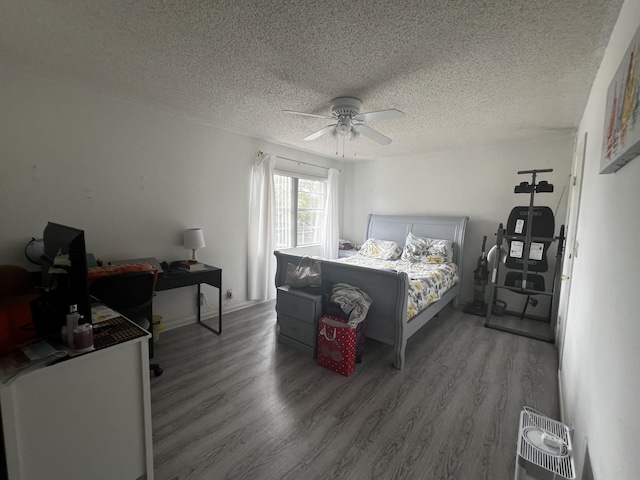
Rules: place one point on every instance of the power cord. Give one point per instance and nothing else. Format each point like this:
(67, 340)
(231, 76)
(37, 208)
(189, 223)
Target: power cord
(206, 302)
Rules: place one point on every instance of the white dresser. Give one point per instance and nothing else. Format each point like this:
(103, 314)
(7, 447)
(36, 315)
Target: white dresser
(85, 417)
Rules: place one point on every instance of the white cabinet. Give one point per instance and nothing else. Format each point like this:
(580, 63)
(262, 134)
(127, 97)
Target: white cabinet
(86, 417)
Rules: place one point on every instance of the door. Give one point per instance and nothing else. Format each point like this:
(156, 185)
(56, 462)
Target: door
(571, 242)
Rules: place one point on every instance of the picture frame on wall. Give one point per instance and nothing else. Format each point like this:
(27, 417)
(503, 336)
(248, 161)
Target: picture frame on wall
(621, 140)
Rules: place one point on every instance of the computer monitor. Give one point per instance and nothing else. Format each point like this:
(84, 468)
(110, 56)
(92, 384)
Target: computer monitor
(69, 279)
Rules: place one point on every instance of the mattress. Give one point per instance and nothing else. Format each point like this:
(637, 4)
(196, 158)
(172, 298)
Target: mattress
(427, 281)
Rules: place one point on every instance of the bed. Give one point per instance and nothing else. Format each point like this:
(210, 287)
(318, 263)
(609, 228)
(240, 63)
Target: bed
(387, 320)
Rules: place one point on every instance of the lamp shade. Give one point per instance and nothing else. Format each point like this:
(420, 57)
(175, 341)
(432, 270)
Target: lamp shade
(193, 239)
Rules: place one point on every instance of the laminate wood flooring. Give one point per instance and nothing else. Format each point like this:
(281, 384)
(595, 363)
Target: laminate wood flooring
(242, 406)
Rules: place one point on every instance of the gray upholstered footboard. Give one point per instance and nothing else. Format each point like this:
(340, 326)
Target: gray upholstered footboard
(387, 290)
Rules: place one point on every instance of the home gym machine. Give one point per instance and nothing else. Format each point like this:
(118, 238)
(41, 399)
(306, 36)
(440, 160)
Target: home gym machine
(528, 234)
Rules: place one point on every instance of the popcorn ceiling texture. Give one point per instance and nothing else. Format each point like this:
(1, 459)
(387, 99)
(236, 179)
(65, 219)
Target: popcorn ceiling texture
(465, 73)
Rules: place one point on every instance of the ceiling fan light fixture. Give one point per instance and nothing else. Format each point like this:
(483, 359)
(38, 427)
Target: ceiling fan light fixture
(344, 126)
(350, 122)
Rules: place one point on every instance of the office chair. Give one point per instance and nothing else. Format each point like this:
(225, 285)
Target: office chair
(130, 294)
(17, 289)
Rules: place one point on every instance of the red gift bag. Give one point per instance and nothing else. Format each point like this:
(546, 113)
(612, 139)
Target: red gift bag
(336, 345)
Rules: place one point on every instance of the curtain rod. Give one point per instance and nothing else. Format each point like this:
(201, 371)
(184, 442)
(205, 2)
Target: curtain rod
(300, 162)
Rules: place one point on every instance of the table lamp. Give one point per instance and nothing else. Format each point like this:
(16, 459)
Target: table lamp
(193, 239)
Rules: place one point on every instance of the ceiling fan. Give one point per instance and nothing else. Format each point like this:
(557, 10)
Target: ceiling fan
(345, 111)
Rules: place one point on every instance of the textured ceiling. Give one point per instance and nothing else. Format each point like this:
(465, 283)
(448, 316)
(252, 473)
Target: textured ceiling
(465, 73)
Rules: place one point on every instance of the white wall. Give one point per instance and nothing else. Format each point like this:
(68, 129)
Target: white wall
(131, 176)
(599, 376)
(477, 183)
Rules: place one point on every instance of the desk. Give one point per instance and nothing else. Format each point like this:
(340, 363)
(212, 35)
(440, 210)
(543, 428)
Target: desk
(180, 278)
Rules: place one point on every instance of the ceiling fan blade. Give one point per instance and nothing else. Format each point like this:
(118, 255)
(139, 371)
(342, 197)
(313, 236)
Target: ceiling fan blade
(326, 117)
(319, 133)
(379, 115)
(372, 134)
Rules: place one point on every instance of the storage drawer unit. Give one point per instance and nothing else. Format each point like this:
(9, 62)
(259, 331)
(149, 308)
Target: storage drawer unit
(298, 314)
(300, 347)
(303, 332)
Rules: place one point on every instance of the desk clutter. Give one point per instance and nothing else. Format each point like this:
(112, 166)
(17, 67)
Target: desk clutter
(116, 269)
(188, 265)
(27, 358)
(113, 331)
(110, 327)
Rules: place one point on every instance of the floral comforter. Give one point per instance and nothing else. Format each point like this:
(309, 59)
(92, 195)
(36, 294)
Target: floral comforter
(427, 281)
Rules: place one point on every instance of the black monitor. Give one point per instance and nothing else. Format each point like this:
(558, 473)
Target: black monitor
(69, 280)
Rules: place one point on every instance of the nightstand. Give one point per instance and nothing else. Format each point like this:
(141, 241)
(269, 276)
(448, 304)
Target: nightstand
(298, 314)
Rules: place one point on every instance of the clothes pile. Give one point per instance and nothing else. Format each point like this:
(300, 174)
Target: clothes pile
(352, 301)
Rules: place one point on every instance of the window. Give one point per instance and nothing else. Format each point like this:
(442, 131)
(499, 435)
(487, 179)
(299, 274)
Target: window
(299, 210)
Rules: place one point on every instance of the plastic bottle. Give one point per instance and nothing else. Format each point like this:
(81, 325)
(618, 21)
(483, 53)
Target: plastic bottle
(83, 338)
(73, 318)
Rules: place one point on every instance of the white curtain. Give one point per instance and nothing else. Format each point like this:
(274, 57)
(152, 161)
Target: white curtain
(262, 263)
(330, 237)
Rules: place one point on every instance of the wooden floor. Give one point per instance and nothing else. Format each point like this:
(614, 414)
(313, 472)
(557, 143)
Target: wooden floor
(242, 406)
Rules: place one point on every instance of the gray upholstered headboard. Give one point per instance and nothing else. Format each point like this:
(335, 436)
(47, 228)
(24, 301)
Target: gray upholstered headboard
(397, 227)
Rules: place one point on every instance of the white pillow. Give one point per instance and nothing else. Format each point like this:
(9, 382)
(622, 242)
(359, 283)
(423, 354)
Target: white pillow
(430, 250)
(381, 249)
(441, 248)
(415, 248)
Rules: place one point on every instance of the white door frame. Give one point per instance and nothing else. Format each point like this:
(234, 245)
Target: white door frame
(571, 242)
